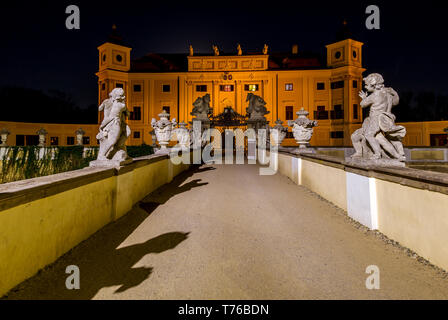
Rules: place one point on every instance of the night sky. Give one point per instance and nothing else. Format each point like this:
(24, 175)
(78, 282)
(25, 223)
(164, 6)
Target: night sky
(37, 51)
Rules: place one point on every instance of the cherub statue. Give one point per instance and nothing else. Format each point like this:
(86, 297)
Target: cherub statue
(216, 50)
(113, 129)
(238, 48)
(379, 137)
(265, 49)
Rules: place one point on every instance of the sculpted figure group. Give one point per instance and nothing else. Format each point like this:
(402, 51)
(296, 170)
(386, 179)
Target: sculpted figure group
(379, 137)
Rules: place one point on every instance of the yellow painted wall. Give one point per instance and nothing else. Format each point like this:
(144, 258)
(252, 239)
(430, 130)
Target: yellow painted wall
(416, 218)
(327, 181)
(36, 233)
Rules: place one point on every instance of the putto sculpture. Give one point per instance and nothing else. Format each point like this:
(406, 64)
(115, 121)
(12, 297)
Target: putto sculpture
(378, 141)
(265, 49)
(163, 129)
(4, 133)
(302, 129)
(239, 50)
(42, 134)
(113, 131)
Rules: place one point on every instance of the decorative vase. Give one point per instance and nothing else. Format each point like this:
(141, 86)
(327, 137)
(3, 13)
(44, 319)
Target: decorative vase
(302, 129)
(163, 129)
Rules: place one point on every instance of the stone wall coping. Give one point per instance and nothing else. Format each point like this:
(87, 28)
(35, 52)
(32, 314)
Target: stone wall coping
(19, 192)
(416, 178)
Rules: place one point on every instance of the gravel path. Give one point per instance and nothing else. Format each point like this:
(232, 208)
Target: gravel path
(225, 232)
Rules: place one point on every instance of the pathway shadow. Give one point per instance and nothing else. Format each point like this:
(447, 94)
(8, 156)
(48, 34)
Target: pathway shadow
(100, 261)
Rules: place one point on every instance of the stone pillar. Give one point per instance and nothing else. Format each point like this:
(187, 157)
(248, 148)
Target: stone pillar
(79, 135)
(42, 134)
(4, 133)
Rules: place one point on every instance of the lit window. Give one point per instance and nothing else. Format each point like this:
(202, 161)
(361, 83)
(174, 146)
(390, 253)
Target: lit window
(288, 87)
(137, 88)
(201, 88)
(289, 113)
(136, 134)
(166, 88)
(321, 86)
(251, 87)
(226, 87)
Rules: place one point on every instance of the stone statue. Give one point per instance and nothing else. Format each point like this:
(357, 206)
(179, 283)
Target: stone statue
(239, 50)
(79, 135)
(42, 133)
(163, 129)
(4, 133)
(216, 50)
(302, 129)
(191, 50)
(277, 133)
(256, 109)
(379, 138)
(202, 108)
(113, 131)
(265, 49)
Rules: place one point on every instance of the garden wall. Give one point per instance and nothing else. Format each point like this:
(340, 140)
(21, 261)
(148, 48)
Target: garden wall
(43, 218)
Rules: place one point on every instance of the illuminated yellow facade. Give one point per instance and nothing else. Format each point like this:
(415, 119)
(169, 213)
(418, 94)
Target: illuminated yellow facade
(286, 82)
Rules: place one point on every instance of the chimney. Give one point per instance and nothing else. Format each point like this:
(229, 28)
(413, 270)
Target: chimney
(295, 49)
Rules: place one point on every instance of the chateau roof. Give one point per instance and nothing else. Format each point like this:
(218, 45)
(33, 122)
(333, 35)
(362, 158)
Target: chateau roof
(178, 62)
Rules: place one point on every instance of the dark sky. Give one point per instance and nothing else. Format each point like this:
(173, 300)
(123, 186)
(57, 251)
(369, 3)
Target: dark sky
(37, 51)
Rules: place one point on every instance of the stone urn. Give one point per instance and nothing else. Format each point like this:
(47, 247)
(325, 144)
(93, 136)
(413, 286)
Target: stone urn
(183, 135)
(42, 133)
(277, 133)
(302, 129)
(163, 129)
(4, 133)
(79, 135)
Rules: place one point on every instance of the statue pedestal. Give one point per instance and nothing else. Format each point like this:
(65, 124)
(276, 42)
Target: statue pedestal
(375, 162)
(304, 150)
(110, 163)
